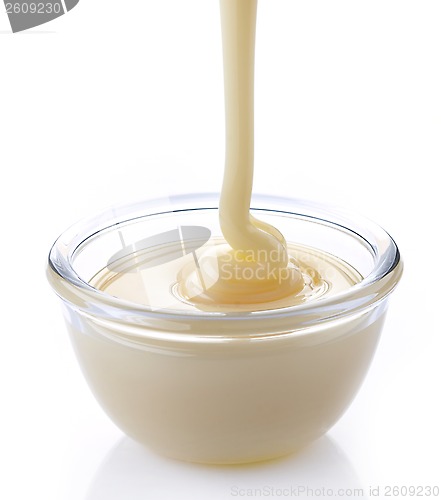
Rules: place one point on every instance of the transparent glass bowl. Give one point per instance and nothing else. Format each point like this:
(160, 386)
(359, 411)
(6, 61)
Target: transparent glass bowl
(224, 387)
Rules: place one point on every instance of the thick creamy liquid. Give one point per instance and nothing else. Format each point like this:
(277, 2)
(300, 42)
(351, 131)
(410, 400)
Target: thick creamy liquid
(252, 267)
(154, 277)
(233, 400)
(276, 274)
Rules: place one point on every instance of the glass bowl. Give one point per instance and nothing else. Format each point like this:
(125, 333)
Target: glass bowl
(223, 387)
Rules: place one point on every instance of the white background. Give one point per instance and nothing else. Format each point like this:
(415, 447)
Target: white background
(120, 100)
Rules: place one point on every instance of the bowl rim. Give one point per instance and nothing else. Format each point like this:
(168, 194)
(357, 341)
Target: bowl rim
(363, 296)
